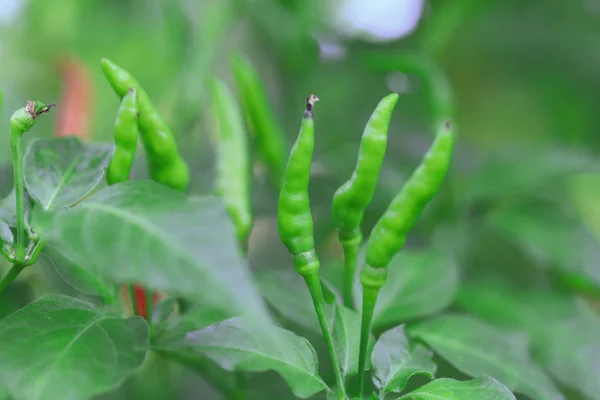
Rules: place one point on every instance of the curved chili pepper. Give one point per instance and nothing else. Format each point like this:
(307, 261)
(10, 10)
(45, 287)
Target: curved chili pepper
(389, 234)
(126, 137)
(353, 197)
(261, 122)
(295, 225)
(233, 169)
(165, 164)
(294, 218)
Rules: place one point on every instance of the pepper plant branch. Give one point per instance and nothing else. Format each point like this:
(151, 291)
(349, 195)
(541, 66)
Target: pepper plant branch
(10, 276)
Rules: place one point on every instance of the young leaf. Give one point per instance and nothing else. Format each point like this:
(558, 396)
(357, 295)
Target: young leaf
(346, 337)
(143, 232)
(563, 329)
(61, 171)
(66, 349)
(419, 284)
(237, 344)
(449, 389)
(170, 333)
(476, 348)
(287, 293)
(395, 361)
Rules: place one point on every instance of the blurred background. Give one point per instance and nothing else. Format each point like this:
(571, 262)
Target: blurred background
(519, 212)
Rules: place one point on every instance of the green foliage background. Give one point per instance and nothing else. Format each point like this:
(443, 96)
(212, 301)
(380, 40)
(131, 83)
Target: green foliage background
(518, 212)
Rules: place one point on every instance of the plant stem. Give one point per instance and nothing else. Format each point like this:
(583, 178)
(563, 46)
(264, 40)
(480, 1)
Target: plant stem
(11, 275)
(372, 279)
(350, 260)
(16, 143)
(316, 291)
(149, 298)
(368, 309)
(132, 298)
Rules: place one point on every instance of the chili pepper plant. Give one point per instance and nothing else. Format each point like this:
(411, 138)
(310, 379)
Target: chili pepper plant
(75, 201)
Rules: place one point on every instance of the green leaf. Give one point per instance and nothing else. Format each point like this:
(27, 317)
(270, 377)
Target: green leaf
(346, 339)
(143, 232)
(170, 333)
(237, 344)
(477, 348)
(420, 283)
(551, 238)
(562, 328)
(287, 293)
(66, 349)
(522, 173)
(395, 361)
(79, 277)
(61, 171)
(479, 388)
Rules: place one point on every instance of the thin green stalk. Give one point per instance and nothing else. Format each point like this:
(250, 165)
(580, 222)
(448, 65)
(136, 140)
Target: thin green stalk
(350, 261)
(149, 299)
(372, 279)
(10, 276)
(316, 291)
(368, 309)
(16, 143)
(132, 298)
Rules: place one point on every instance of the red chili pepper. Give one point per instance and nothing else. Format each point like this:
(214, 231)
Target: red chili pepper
(74, 113)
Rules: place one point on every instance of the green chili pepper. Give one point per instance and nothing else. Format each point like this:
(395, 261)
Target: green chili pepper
(164, 161)
(22, 121)
(261, 122)
(389, 234)
(353, 197)
(126, 137)
(294, 217)
(295, 226)
(233, 170)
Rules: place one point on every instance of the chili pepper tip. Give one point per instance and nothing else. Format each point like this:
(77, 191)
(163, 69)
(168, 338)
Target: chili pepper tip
(310, 103)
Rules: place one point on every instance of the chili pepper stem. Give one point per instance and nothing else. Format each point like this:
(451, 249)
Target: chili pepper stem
(350, 258)
(313, 282)
(10, 276)
(149, 304)
(16, 143)
(132, 298)
(351, 245)
(372, 279)
(368, 309)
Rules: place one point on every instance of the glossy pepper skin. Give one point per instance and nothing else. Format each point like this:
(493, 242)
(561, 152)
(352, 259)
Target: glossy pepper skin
(126, 137)
(164, 161)
(353, 197)
(389, 234)
(233, 168)
(295, 223)
(295, 226)
(261, 122)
